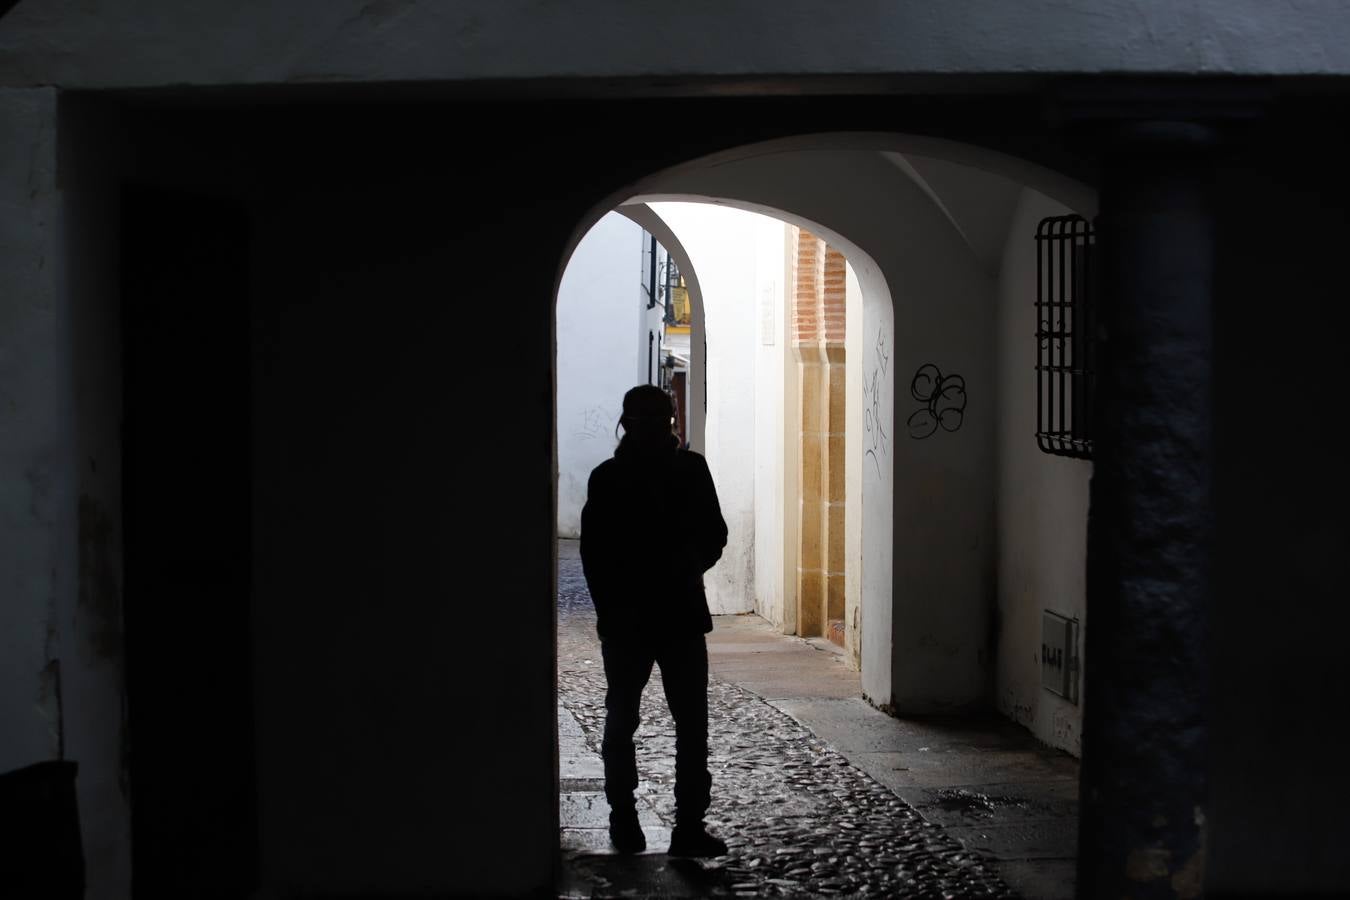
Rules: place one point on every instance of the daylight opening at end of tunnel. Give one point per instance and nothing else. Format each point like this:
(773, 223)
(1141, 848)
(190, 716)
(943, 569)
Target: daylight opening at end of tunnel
(778, 354)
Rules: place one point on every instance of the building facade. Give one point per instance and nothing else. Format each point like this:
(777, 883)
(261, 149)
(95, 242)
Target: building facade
(242, 247)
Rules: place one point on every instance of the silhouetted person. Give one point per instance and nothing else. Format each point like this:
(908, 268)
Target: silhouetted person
(650, 528)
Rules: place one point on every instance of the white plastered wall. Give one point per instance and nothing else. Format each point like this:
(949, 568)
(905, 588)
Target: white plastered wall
(649, 324)
(598, 314)
(770, 348)
(739, 260)
(853, 468)
(873, 402)
(868, 483)
(1042, 508)
(644, 216)
(742, 258)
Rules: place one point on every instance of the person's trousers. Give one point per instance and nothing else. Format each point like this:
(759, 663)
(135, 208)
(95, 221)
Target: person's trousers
(684, 673)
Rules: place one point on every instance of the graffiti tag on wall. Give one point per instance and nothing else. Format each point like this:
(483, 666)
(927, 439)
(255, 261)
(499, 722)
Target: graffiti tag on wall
(875, 439)
(944, 399)
(596, 422)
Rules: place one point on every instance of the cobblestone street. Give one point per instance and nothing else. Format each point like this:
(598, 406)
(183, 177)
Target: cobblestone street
(800, 819)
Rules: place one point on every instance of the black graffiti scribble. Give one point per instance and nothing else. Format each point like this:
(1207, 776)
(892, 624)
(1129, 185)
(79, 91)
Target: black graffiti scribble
(594, 422)
(876, 437)
(944, 399)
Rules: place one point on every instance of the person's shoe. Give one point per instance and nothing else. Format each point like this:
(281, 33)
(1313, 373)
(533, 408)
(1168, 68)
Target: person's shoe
(694, 840)
(624, 831)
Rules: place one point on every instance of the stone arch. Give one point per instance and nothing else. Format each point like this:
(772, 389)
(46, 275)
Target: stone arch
(930, 572)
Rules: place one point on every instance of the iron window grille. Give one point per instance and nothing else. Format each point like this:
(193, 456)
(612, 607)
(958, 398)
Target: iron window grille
(1064, 330)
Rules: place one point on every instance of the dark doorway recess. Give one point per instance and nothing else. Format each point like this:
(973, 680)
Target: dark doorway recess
(186, 445)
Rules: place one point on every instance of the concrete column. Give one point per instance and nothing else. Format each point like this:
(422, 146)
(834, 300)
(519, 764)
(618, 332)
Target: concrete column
(832, 484)
(813, 556)
(832, 308)
(812, 583)
(1143, 813)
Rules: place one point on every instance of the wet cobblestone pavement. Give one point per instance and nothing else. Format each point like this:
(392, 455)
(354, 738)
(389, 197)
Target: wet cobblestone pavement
(798, 818)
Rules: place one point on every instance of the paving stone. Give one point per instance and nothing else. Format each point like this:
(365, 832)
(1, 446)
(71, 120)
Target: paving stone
(1005, 802)
(583, 810)
(1043, 879)
(1043, 839)
(580, 767)
(936, 767)
(791, 807)
(588, 809)
(568, 726)
(569, 785)
(595, 841)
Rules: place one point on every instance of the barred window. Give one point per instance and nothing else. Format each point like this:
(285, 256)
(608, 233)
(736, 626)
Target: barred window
(1064, 332)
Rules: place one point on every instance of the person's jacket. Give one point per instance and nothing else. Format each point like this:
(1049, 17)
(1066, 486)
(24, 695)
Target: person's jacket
(650, 528)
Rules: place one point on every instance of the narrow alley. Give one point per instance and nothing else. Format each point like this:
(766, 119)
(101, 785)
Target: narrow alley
(815, 791)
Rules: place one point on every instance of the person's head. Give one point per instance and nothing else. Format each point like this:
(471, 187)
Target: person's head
(648, 416)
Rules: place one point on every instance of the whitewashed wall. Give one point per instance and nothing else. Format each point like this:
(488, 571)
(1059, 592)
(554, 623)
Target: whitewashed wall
(653, 224)
(871, 416)
(1042, 504)
(648, 339)
(853, 460)
(771, 354)
(739, 259)
(600, 313)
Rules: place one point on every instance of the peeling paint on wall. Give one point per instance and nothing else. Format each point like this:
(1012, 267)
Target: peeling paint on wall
(49, 704)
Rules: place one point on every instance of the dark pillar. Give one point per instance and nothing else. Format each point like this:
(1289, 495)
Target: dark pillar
(1143, 804)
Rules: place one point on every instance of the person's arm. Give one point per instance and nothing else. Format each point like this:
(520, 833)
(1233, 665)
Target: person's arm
(596, 539)
(710, 529)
